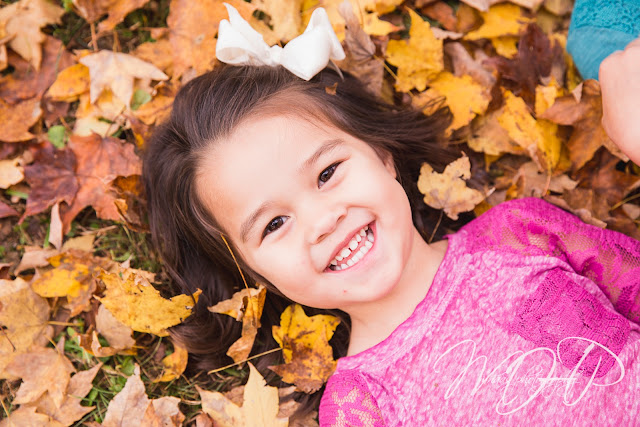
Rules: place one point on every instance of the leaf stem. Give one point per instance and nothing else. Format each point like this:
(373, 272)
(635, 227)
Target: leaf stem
(245, 360)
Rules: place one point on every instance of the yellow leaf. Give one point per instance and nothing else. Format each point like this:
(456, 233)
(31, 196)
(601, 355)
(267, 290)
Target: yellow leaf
(136, 303)
(506, 46)
(538, 137)
(305, 347)
(463, 95)
(546, 96)
(503, 19)
(491, 138)
(260, 407)
(419, 59)
(174, 364)
(70, 83)
(285, 17)
(448, 190)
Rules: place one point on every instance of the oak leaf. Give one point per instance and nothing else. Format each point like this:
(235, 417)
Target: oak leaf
(24, 317)
(260, 407)
(420, 59)
(23, 21)
(15, 120)
(448, 190)
(305, 347)
(117, 71)
(99, 162)
(134, 301)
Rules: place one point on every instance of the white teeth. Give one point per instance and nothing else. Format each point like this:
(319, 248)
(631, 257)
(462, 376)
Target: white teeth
(370, 237)
(358, 256)
(362, 233)
(345, 252)
(353, 244)
(350, 262)
(334, 262)
(339, 258)
(368, 244)
(358, 238)
(364, 249)
(337, 268)
(343, 266)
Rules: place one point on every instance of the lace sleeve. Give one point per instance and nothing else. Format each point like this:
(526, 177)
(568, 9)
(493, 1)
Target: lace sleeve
(347, 401)
(535, 227)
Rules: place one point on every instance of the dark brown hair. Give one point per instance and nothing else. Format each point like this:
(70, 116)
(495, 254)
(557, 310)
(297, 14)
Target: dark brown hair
(209, 108)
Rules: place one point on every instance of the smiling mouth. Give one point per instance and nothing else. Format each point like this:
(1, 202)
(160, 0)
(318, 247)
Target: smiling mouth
(354, 251)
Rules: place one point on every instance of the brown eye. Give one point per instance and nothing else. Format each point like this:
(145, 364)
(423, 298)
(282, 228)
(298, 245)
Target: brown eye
(273, 225)
(326, 174)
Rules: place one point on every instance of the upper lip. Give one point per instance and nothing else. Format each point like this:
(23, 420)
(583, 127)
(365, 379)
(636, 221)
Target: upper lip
(344, 243)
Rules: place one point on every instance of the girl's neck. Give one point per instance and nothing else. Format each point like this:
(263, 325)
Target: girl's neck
(372, 324)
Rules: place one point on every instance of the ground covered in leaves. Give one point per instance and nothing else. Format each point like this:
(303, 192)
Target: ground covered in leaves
(83, 313)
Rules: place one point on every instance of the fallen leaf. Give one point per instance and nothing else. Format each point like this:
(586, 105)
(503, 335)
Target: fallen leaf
(118, 335)
(464, 97)
(155, 111)
(15, 120)
(52, 180)
(285, 17)
(34, 256)
(117, 71)
(55, 227)
(193, 25)
(490, 137)
(70, 83)
(24, 317)
(173, 364)
(11, 172)
(158, 53)
(465, 64)
(6, 211)
(420, 59)
(164, 412)
(133, 301)
(305, 346)
(99, 162)
(23, 21)
(448, 190)
(42, 370)
(500, 20)
(27, 416)
(129, 406)
(443, 13)
(260, 407)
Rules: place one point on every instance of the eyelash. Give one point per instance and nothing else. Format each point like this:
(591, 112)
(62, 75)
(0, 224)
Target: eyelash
(272, 226)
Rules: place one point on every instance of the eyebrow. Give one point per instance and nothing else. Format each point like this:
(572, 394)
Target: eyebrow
(325, 148)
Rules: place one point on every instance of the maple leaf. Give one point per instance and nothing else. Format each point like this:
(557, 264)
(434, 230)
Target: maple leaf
(193, 26)
(448, 190)
(490, 137)
(305, 346)
(52, 179)
(23, 21)
(27, 416)
(245, 305)
(116, 71)
(70, 410)
(285, 17)
(24, 317)
(419, 59)
(43, 370)
(158, 53)
(464, 64)
(99, 162)
(15, 120)
(260, 407)
(135, 302)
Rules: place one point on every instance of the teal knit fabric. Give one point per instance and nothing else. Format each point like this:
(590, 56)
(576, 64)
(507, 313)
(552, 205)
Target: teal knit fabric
(599, 28)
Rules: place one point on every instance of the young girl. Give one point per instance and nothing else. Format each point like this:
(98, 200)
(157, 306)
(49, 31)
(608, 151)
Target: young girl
(525, 315)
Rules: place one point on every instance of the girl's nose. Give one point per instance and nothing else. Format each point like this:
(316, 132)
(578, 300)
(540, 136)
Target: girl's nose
(323, 218)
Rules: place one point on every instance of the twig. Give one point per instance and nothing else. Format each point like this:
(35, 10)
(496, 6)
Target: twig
(245, 360)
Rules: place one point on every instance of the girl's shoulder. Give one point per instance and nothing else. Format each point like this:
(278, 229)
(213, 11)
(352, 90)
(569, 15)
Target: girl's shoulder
(347, 397)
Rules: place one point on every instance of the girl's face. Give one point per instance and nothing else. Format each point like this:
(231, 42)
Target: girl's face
(296, 198)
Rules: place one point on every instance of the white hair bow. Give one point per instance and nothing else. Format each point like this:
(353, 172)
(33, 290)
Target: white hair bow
(304, 56)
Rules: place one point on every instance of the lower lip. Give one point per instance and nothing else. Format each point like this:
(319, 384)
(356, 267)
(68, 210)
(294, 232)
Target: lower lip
(364, 259)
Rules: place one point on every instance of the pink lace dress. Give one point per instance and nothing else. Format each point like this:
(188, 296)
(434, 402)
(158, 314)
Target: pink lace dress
(533, 318)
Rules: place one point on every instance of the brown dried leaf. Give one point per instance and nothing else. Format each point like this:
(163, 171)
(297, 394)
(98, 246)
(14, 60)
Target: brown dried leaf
(11, 172)
(43, 370)
(23, 319)
(23, 21)
(155, 111)
(52, 180)
(129, 406)
(99, 162)
(118, 335)
(27, 416)
(173, 364)
(158, 53)
(163, 412)
(6, 211)
(15, 120)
